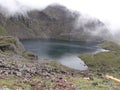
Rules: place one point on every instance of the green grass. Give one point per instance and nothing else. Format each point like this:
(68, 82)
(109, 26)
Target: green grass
(2, 31)
(113, 47)
(103, 58)
(106, 61)
(8, 39)
(103, 83)
(82, 84)
(13, 83)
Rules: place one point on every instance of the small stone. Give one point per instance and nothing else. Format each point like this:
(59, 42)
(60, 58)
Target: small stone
(19, 88)
(19, 74)
(95, 84)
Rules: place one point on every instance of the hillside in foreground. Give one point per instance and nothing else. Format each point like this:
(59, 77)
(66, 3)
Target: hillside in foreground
(21, 70)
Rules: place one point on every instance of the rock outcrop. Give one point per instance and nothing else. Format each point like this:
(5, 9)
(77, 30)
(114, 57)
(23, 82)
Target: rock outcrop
(11, 45)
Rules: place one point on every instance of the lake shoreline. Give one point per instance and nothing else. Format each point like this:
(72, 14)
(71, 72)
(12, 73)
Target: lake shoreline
(61, 50)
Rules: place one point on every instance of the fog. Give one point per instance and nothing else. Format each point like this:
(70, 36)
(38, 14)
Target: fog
(106, 11)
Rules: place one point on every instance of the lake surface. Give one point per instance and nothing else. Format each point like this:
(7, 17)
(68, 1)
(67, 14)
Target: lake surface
(65, 52)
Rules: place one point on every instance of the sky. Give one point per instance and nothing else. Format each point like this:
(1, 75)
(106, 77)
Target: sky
(105, 10)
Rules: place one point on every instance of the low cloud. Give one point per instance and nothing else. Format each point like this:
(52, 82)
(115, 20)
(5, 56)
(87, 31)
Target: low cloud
(21, 7)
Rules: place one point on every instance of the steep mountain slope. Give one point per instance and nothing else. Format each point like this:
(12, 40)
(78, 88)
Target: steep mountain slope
(56, 22)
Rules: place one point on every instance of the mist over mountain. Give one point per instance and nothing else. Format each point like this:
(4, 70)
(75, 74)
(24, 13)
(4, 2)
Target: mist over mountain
(53, 22)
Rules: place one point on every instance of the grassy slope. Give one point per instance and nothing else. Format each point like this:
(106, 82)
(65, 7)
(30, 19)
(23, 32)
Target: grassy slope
(104, 63)
(77, 81)
(2, 31)
(106, 60)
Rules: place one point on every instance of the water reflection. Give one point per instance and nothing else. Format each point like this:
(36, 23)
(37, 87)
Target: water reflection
(73, 61)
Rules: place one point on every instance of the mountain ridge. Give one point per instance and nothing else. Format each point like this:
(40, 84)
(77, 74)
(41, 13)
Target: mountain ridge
(54, 22)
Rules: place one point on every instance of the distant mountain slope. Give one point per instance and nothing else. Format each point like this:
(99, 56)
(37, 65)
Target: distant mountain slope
(56, 22)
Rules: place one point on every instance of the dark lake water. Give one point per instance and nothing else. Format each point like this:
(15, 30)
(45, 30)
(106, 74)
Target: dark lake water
(65, 52)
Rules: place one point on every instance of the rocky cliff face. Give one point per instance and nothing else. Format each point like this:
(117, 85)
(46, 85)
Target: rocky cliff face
(56, 22)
